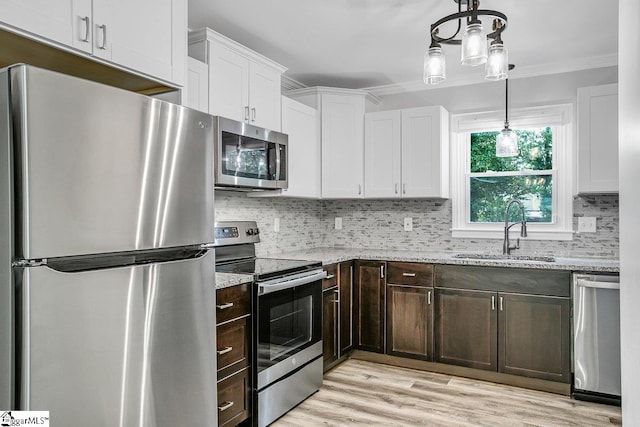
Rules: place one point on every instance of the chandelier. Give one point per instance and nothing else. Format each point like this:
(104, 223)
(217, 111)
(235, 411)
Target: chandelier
(477, 47)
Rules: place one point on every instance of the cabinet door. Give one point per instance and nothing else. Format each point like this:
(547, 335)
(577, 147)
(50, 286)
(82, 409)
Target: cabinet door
(345, 284)
(342, 146)
(300, 122)
(51, 19)
(369, 306)
(144, 35)
(534, 336)
(598, 139)
(228, 83)
(82, 25)
(382, 176)
(409, 322)
(329, 326)
(425, 152)
(466, 328)
(265, 96)
(196, 91)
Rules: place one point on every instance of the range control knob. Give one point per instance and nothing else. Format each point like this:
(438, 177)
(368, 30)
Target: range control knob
(256, 231)
(249, 231)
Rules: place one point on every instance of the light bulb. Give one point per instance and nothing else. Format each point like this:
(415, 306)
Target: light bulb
(474, 45)
(435, 66)
(507, 143)
(497, 62)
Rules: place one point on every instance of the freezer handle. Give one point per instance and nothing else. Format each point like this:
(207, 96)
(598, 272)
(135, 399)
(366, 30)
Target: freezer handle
(595, 284)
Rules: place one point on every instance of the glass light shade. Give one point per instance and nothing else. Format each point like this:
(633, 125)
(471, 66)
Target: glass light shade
(435, 66)
(507, 143)
(497, 62)
(474, 45)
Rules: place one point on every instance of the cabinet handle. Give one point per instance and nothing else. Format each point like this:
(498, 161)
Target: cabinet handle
(86, 29)
(103, 46)
(404, 188)
(337, 299)
(224, 351)
(429, 298)
(253, 114)
(226, 405)
(493, 303)
(409, 274)
(246, 113)
(225, 306)
(396, 187)
(330, 276)
(501, 303)
(359, 189)
(382, 271)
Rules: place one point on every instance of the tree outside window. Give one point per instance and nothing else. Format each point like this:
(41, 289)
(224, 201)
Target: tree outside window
(528, 177)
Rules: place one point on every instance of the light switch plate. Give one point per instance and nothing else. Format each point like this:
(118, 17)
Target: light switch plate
(338, 223)
(408, 224)
(587, 224)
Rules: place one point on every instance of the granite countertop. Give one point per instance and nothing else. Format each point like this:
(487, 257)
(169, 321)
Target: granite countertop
(333, 255)
(224, 280)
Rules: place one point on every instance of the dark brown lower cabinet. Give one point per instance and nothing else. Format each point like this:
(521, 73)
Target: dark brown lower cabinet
(369, 305)
(409, 322)
(329, 325)
(345, 286)
(534, 336)
(234, 396)
(466, 328)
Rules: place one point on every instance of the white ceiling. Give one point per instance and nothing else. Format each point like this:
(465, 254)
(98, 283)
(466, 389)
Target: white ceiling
(380, 43)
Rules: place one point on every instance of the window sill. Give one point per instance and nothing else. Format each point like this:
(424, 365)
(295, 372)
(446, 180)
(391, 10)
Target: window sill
(498, 233)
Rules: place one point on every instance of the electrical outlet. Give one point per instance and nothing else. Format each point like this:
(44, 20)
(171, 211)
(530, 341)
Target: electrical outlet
(338, 223)
(586, 224)
(408, 224)
(276, 224)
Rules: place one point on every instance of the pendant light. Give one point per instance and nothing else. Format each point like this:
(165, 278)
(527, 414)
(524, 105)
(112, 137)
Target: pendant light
(507, 140)
(472, 36)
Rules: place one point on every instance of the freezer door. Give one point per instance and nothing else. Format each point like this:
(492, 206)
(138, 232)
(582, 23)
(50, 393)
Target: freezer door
(103, 170)
(130, 346)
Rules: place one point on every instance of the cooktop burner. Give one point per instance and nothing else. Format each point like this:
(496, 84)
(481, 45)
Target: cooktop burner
(266, 268)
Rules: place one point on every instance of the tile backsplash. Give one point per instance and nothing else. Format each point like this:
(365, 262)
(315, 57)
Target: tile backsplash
(378, 224)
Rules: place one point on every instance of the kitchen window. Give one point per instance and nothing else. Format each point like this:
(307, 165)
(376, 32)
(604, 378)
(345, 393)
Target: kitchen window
(540, 176)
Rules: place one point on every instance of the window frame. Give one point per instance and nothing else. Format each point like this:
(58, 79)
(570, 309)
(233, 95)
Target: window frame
(560, 119)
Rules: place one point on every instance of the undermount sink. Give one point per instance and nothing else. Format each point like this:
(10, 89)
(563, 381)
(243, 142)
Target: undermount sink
(506, 257)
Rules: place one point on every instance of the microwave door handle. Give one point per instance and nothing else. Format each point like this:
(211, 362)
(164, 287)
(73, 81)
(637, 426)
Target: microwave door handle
(267, 288)
(277, 162)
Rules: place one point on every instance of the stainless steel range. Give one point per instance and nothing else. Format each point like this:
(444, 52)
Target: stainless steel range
(287, 301)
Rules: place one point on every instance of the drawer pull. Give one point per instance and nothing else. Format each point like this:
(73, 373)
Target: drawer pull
(224, 351)
(225, 306)
(330, 276)
(226, 405)
(409, 274)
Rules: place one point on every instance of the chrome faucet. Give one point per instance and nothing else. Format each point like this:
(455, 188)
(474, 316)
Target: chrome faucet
(506, 247)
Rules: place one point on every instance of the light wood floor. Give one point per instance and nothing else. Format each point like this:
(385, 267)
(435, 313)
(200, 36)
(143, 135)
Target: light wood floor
(359, 393)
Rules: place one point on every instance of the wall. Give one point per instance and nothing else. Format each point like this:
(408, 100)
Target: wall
(629, 107)
(378, 224)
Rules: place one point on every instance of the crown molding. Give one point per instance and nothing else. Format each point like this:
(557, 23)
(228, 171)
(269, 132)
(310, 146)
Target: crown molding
(291, 84)
(522, 72)
(319, 90)
(207, 34)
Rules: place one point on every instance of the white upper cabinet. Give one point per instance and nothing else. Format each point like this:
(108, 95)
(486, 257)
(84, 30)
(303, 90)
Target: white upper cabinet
(243, 85)
(341, 118)
(196, 91)
(145, 36)
(598, 139)
(407, 153)
(300, 122)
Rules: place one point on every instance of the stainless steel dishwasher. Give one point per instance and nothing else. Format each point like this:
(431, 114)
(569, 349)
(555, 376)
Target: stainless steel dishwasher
(596, 338)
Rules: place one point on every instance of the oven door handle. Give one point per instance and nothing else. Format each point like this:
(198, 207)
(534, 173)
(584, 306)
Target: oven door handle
(266, 288)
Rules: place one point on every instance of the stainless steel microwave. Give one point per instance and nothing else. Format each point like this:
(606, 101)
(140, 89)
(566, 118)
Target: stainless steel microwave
(249, 157)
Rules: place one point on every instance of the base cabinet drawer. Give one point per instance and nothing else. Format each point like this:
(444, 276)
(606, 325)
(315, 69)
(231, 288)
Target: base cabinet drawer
(232, 302)
(233, 346)
(234, 397)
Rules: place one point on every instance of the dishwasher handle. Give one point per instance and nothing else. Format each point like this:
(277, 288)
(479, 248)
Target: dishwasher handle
(596, 284)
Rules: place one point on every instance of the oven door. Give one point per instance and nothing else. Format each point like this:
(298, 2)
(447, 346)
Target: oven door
(289, 325)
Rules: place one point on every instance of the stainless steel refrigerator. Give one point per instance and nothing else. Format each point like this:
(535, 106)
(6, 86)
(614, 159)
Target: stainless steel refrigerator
(106, 276)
